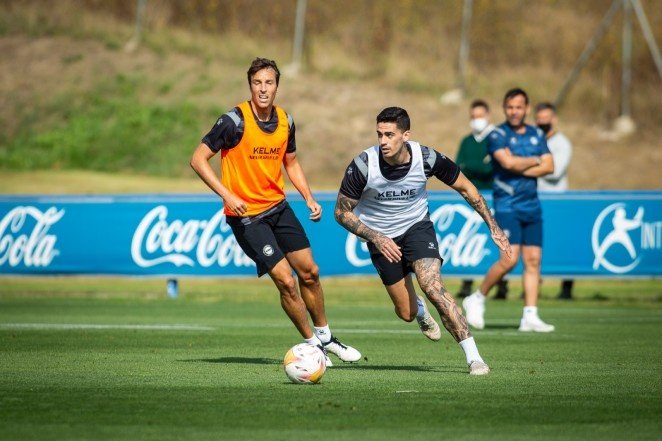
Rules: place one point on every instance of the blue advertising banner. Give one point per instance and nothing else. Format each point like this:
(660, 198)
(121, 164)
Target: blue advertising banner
(586, 234)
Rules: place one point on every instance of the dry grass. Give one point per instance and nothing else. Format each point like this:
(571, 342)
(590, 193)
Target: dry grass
(352, 74)
(88, 182)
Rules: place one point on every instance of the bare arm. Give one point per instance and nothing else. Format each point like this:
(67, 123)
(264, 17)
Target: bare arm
(545, 167)
(515, 164)
(298, 179)
(469, 192)
(200, 163)
(351, 222)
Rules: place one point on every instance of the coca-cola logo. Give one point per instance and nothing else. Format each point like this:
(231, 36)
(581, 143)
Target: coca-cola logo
(466, 248)
(24, 237)
(158, 240)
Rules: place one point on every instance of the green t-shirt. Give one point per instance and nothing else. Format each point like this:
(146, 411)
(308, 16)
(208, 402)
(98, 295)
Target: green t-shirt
(475, 163)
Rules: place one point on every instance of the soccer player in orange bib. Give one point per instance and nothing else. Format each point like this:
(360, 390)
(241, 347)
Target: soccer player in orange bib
(257, 140)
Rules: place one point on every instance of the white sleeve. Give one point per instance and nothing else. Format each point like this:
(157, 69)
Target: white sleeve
(561, 154)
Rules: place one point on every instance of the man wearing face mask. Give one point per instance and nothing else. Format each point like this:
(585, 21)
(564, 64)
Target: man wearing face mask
(561, 149)
(520, 156)
(475, 163)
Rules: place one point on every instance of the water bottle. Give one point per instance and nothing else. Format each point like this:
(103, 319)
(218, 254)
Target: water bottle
(172, 289)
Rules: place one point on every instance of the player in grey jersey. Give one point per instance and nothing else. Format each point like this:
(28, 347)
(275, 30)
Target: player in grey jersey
(383, 200)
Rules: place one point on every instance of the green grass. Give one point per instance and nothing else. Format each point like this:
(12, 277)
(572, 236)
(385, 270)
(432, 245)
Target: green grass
(109, 129)
(596, 377)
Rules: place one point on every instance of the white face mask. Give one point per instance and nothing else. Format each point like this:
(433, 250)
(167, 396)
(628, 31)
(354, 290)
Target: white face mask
(478, 125)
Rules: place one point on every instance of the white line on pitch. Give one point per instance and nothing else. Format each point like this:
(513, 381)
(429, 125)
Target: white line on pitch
(181, 327)
(376, 331)
(73, 326)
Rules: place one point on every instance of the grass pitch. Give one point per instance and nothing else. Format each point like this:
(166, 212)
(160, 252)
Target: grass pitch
(106, 359)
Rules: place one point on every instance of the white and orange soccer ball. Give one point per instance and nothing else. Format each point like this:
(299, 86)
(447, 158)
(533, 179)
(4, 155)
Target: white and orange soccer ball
(304, 364)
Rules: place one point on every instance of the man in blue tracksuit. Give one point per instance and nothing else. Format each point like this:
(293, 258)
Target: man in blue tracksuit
(519, 155)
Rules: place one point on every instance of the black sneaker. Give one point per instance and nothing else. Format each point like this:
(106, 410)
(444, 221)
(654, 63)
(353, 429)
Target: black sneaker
(502, 290)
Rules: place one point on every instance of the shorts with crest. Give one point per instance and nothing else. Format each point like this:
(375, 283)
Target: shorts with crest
(267, 237)
(418, 242)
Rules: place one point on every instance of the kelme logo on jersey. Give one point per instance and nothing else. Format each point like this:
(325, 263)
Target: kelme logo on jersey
(265, 153)
(394, 195)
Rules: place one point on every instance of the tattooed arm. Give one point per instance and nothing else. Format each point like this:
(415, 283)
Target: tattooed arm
(469, 192)
(351, 222)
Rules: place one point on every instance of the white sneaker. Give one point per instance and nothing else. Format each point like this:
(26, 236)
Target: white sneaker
(534, 324)
(344, 352)
(474, 309)
(427, 323)
(478, 368)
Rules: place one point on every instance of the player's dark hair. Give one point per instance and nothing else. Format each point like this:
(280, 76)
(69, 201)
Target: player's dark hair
(545, 105)
(396, 115)
(512, 93)
(479, 103)
(262, 63)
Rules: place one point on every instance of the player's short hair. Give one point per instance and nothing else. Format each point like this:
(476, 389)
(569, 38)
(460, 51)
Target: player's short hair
(512, 93)
(396, 115)
(479, 103)
(262, 63)
(545, 105)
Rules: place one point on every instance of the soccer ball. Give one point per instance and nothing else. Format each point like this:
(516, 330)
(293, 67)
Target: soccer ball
(304, 364)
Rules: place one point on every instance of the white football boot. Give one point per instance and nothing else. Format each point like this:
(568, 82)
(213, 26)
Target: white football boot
(478, 368)
(474, 309)
(427, 323)
(327, 360)
(346, 353)
(534, 324)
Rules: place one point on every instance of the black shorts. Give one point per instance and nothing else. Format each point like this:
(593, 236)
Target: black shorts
(268, 236)
(418, 242)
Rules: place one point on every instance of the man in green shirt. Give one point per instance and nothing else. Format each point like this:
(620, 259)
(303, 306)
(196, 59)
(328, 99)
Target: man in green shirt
(475, 163)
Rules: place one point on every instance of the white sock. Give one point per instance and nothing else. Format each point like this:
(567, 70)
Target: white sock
(530, 311)
(470, 350)
(478, 294)
(313, 341)
(421, 308)
(323, 333)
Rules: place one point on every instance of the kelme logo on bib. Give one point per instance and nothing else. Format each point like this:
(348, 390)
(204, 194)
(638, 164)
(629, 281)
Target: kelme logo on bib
(267, 250)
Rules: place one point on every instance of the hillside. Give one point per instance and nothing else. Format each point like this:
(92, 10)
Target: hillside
(74, 99)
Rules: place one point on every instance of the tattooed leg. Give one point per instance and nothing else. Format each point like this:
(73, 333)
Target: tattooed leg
(429, 279)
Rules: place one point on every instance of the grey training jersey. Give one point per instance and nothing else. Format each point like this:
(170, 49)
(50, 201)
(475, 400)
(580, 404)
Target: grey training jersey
(392, 207)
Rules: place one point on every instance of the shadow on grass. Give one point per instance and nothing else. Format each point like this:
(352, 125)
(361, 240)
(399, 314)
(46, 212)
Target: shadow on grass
(234, 360)
(382, 367)
(336, 366)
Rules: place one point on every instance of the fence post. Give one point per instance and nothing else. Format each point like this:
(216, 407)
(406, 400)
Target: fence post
(463, 57)
(588, 51)
(297, 45)
(133, 43)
